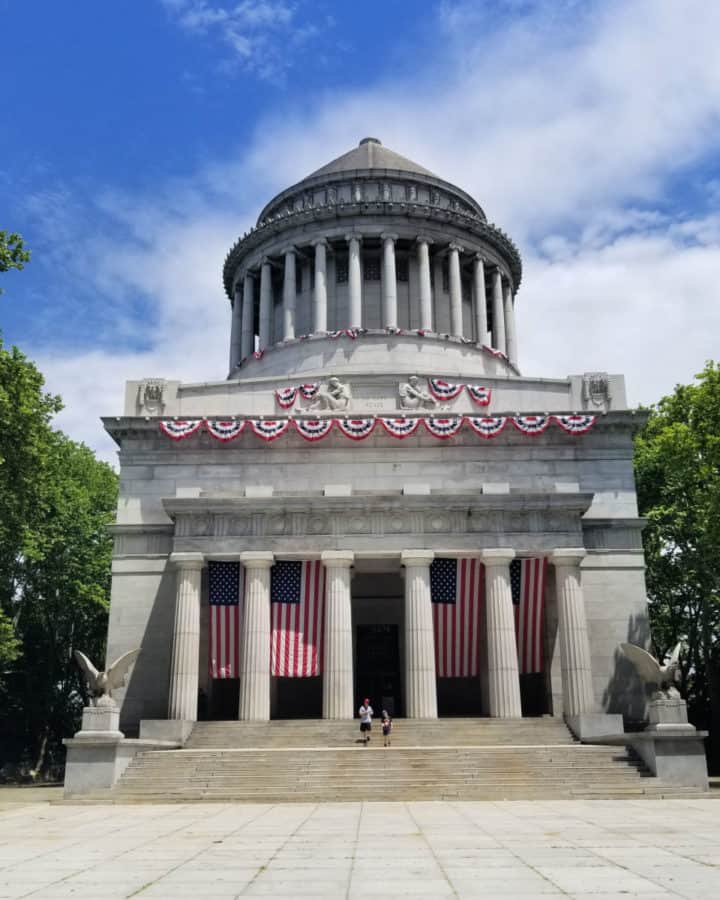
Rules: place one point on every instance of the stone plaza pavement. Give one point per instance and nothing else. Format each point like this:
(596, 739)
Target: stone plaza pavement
(597, 849)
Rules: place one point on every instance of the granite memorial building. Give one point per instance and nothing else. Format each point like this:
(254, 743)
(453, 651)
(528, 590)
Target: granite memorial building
(373, 420)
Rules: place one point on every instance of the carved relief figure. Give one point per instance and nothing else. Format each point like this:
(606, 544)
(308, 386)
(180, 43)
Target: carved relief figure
(412, 395)
(596, 390)
(335, 395)
(150, 397)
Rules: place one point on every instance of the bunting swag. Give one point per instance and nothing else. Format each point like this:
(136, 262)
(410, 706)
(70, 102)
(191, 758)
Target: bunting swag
(444, 390)
(286, 396)
(527, 582)
(225, 589)
(456, 591)
(479, 395)
(359, 429)
(309, 390)
(177, 430)
(297, 601)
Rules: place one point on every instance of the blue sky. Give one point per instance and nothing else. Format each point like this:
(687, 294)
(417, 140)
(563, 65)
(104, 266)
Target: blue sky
(139, 138)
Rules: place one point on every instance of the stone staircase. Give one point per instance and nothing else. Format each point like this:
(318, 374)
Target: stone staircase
(449, 759)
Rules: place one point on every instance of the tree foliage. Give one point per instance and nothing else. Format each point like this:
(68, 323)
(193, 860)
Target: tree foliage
(13, 254)
(677, 465)
(56, 501)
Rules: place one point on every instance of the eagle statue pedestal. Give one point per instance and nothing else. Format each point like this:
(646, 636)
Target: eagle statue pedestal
(668, 714)
(101, 722)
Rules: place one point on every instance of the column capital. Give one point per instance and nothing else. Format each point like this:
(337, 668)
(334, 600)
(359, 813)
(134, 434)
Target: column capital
(424, 239)
(417, 557)
(340, 558)
(319, 242)
(501, 556)
(354, 237)
(456, 246)
(249, 273)
(266, 261)
(479, 258)
(187, 560)
(238, 287)
(571, 556)
(290, 248)
(389, 236)
(257, 559)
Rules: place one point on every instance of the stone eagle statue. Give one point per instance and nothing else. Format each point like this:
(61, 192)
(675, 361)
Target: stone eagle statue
(652, 672)
(100, 685)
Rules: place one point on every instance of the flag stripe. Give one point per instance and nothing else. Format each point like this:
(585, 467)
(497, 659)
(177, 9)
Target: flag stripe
(298, 607)
(226, 584)
(528, 586)
(456, 587)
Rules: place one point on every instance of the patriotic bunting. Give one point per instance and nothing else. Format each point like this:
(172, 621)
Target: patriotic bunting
(286, 396)
(456, 591)
(479, 395)
(225, 431)
(494, 352)
(444, 390)
(224, 596)
(527, 583)
(313, 429)
(352, 333)
(297, 602)
(269, 429)
(309, 390)
(400, 428)
(356, 429)
(443, 428)
(177, 429)
(531, 424)
(487, 426)
(575, 424)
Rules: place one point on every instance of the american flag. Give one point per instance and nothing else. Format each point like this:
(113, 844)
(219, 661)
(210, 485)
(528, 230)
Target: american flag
(527, 581)
(456, 590)
(297, 594)
(225, 588)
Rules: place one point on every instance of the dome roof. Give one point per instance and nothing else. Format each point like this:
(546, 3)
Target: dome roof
(370, 154)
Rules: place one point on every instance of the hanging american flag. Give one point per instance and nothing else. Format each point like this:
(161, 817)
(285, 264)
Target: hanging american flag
(225, 589)
(527, 581)
(456, 590)
(297, 595)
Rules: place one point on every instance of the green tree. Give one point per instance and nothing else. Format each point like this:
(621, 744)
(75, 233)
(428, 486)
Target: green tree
(13, 254)
(677, 466)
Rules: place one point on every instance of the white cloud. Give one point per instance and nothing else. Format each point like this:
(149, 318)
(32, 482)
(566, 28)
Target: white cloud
(571, 133)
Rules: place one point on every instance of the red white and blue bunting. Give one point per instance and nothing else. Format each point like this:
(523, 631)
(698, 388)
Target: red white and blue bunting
(286, 396)
(442, 427)
(479, 395)
(449, 390)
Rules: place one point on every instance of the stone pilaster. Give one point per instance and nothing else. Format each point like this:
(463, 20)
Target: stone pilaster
(338, 658)
(266, 304)
(480, 299)
(498, 337)
(420, 675)
(255, 640)
(248, 309)
(578, 697)
(425, 285)
(389, 282)
(289, 294)
(184, 667)
(455, 284)
(236, 328)
(320, 292)
(510, 333)
(503, 677)
(354, 281)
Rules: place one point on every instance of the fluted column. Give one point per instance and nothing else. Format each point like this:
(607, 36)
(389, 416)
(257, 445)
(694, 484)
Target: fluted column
(320, 292)
(338, 658)
(423, 255)
(510, 333)
(420, 675)
(289, 294)
(255, 638)
(503, 677)
(481, 324)
(354, 281)
(236, 328)
(455, 284)
(577, 686)
(498, 313)
(248, 309)
(184, 666)
(389, 282)
(266, 304)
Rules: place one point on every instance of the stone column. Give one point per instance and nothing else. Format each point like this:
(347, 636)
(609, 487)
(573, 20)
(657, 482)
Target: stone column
(423, 254)
(389, 282)
(266, 304)
(255, 638)
(354, 281)
(455, 284)
(184, 667)
(503, 677)
(498, 313)
(509, 316)
(248, 310)
(481, 325)
(320, 293)
(236, 328)
(289, 295)
(420, 678)
(338, 659)
(578, 697)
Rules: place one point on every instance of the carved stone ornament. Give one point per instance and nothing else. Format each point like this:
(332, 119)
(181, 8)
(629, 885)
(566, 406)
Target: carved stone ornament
(413, 395)
(151, 397)
(333, 395)
(661, 677)
(596, 390)
(101, 685)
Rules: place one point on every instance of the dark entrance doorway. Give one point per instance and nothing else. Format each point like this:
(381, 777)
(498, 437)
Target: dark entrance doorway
(224, 700)
(377, 669)
(296, 698)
